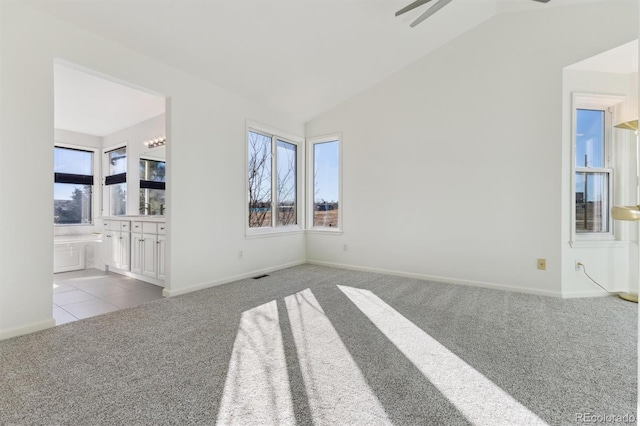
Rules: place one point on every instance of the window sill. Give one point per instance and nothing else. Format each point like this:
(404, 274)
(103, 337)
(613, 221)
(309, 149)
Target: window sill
(599, 244)
(325, 231)
(273, 232)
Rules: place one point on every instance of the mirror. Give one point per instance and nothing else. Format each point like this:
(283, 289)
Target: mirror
(152, 181)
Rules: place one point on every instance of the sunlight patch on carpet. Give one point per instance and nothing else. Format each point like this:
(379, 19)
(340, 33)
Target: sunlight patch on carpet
(257, 388)
(337, 391)
(480, 400)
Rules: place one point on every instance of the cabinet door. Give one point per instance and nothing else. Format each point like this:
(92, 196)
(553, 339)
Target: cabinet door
(105, 246)
(112, 249)
(125, 250)
(162, 246)
(68, 257)
(136, 252)
(149, 256)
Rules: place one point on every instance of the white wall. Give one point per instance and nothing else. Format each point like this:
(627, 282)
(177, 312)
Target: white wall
(76, 138)
(206, 156)
(134, 137)
(452, 168)
(613, 264)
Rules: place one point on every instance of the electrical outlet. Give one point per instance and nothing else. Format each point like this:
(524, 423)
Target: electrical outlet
(240, 254)
(542, 264)
(578, 265)
(345, 247)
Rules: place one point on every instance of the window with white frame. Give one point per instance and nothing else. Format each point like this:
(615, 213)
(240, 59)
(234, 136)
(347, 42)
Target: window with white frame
(592, 166)
(73, 186)
(273, 180)
(324, 183)
(116, 181)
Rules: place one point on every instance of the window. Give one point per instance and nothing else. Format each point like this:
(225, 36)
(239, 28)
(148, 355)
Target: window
(593, 175)
(73, 186)
(116, 181)
(152, 186)
(273, 176)
(325, 183)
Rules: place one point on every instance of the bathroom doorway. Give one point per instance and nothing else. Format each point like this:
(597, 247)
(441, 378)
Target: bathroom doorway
(110, 171)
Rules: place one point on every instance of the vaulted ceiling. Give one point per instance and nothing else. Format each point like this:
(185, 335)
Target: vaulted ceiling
(301, 57)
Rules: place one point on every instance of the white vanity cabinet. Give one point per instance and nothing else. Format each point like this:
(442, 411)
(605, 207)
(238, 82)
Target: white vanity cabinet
(116, 243)
(143, 240)
(162, 250)
(145, 248)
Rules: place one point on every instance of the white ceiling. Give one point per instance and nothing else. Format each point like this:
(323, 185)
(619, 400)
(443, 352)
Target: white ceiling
(90, 104)
(301, 57)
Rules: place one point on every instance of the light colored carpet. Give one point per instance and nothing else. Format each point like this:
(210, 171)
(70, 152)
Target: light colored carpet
(294, 348)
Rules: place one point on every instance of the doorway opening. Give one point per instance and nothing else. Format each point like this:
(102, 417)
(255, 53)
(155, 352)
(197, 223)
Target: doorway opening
(109, 204)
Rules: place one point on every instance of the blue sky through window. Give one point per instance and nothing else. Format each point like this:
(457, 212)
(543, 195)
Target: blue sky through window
(70, 161)
(326, 173)
(589, 138)
(589, 152)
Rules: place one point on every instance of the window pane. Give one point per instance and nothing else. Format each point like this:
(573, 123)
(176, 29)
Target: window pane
(259, 180)
(118, 198)
(72, 161)
(325, 184)
(118, 161)
(71, 204)
(589, 138)
(152, 170)
(287, 171)
(152, 201)
(592, 206)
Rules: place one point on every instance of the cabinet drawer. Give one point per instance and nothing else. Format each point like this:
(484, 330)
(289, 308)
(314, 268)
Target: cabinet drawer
(125, 225)
(136, 226)
(162, 228)
(149, 227)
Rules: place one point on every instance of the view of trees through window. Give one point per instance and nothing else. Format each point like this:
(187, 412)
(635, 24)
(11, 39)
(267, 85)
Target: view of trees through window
(71, 204)
(286, 183)
(272, 181)
(152, 187)
(118, 199)
(72, 188)
(116, 181)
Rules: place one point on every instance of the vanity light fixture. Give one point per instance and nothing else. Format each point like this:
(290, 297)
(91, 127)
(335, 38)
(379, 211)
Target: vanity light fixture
(154, 143)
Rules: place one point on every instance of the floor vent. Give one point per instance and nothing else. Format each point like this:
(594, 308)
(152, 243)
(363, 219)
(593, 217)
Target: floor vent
(260, 276)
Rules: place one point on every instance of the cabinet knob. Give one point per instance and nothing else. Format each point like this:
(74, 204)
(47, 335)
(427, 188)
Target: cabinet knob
(108, 236)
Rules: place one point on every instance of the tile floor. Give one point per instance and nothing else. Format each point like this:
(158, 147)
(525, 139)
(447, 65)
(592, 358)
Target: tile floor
(91, 292)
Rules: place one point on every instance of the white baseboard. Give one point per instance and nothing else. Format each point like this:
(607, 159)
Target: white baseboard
(31, 328)
(448, 280)
(139, 277)
(177, 292)
(586, 293)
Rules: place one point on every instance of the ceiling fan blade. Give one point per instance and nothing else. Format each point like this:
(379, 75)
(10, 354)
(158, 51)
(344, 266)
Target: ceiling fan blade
(433, 9)
(412, 6)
